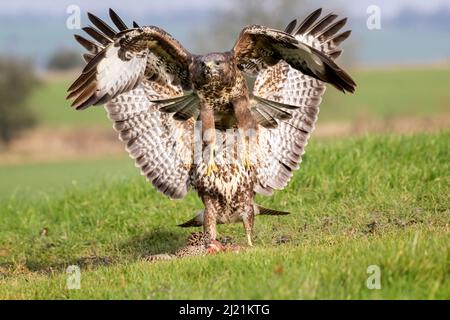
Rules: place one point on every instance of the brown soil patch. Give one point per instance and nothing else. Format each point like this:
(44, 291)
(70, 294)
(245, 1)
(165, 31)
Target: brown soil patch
(47, 145)
(395, 125)
(55, 144)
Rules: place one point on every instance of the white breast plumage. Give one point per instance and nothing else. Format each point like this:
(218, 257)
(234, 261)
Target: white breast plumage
(225, 181)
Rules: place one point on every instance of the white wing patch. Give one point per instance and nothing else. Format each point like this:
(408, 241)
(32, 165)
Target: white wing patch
(115, 75)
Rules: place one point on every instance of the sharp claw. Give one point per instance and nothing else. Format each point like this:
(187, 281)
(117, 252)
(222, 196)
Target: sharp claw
(212, 167)
(247, 163)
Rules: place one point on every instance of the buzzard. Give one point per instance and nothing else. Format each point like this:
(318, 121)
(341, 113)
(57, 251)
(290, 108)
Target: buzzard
(191, 121)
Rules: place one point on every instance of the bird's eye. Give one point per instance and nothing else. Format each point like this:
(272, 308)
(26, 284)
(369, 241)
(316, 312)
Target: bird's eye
(218, 63)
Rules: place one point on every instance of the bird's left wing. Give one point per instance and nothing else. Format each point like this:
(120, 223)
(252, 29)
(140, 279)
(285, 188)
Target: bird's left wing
(280, 148)
(259, 48)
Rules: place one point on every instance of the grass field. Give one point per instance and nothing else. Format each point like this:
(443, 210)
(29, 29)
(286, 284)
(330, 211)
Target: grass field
(48, 180)
(376, 200)
(52, 109)
(391, 93)
(381, 94)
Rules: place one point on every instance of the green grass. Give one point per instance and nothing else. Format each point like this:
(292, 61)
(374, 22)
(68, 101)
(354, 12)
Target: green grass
(368, 201)
(52, 109)
(385, 94)
(47, 180)
(380, 94)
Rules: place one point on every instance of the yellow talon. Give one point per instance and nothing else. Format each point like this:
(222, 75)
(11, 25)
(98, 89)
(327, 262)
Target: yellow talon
(248, 165)
(212, 167)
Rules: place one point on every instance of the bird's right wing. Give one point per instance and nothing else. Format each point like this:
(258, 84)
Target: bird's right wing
(140, 74)
(161, 146)
(120, 61)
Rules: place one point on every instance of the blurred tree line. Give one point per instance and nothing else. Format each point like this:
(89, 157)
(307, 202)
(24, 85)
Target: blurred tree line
(227, 24)
(17, 80)
(65, 59)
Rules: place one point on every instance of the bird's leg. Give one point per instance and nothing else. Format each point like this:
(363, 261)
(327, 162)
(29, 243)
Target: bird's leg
(247, 127)
(209, 226)
(248, 218)
(209, 136)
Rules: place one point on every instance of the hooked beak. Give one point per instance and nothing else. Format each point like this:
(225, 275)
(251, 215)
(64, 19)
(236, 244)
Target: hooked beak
(212, 69)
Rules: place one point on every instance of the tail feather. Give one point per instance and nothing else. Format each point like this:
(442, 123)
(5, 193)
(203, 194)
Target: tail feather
(271, 212)
(190, 223)
(197, 221)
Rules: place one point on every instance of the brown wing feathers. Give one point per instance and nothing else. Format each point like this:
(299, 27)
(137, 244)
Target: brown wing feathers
(102, 26)
(325, 31)
(326, 41)
(117, 21)
(309, 20)
(283, 147)
(97, 36)
(327, 34)
(87, 44)
(259, 47)
(83, 87)
(121, 67)
(332, 29)
(320, 36)
(290, 27)
(319, 26)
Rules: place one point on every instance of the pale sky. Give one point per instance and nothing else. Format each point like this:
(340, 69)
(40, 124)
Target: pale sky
(173, 15)
(390, 7)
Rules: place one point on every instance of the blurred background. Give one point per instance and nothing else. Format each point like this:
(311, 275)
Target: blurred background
(400, 60)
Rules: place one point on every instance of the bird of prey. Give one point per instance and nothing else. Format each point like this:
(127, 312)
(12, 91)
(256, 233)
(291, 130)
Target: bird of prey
(191, 121)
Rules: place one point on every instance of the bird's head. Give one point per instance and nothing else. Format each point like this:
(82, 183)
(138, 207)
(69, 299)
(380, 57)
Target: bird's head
(216, 66)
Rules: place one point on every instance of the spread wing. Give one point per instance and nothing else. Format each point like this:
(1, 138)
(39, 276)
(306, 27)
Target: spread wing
(129, 70)
(161, 146)
(259, 47)
(120, 61)
(281, 148)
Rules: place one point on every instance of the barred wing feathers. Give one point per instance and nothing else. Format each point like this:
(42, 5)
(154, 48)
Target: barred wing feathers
(120, 61)
(160, 145)
(129, 70)
(259, 48)
(281, 148)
